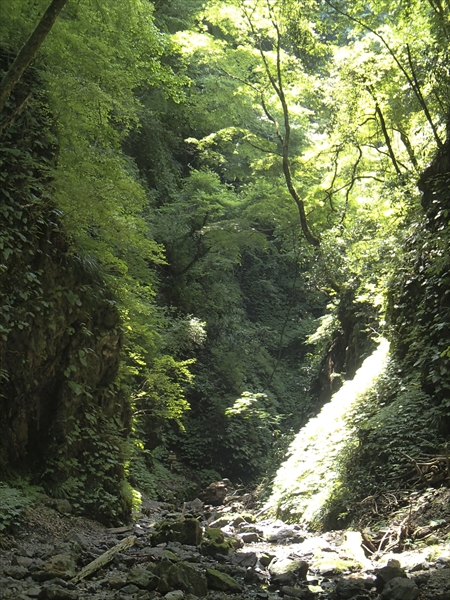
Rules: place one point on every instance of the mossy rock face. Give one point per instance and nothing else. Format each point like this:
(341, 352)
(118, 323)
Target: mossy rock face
(181, 576)
(332, 565)
(187, 531)
(222, 582)
(59, 566)
(243, 518)
(214, 542)
(142, 578)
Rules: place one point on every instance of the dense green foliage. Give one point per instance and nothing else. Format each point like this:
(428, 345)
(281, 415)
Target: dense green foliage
(214, 208)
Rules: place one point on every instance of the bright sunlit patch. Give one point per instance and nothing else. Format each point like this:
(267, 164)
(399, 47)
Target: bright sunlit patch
(305, 480)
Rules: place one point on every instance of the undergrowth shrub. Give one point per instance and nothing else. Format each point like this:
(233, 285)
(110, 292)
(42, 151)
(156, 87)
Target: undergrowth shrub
(13, 502)
(147, 473)
(87, 468)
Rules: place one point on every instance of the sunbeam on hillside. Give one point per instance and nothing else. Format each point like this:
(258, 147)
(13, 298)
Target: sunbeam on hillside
(305, 481)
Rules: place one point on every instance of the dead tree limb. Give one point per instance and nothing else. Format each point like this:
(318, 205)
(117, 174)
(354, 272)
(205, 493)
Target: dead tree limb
(104, 559)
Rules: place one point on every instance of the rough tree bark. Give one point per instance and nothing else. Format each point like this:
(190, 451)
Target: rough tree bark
(29, 50)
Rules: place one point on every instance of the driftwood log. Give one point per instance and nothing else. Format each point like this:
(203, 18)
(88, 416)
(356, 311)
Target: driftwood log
(102, 560)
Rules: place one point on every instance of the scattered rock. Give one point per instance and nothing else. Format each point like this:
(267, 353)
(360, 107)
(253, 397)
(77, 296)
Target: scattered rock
(214, 542)
(222, 582)
(58, 566)
(189, 564)
(55, 592)
(400, 588)
(142, 578)
(387, 573)
(186, 577)
(187, 531)
(287, 571)
(245, 559)
(216, 493)
(349, 588)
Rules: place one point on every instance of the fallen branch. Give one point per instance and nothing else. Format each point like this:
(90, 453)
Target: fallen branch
(102, 560)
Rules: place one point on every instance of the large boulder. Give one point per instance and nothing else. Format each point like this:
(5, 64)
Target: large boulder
(391, 571)
(400, 588)
(181, 576)
(187, 532)
(214, 543)
(142, 578)
(286, 571)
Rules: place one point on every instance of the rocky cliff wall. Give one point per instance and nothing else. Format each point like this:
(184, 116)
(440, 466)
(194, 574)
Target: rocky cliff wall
(61, 413)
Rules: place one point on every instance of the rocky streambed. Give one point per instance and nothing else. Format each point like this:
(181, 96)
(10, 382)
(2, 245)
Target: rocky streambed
(216, 553)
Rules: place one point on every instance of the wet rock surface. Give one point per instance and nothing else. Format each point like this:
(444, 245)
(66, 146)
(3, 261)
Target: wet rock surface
(205, 551)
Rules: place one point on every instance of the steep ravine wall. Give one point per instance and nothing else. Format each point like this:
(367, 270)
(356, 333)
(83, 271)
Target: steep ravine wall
(60, 334)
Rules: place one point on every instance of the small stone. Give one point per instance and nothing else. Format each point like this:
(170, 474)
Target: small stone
(186, 577)
(142, 578)
(130, 589)
(116, 583)
(174, 595)
(244, 559)
(222, 521)
(22, 561)
(443, 562)
(22, 551)
(249, 538)
(297, 593)
(81, 540)
(16, 572)
(265, 559)
(287, 571)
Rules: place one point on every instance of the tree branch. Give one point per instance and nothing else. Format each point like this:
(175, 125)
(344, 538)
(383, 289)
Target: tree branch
(383, 126)
(411, 82)
(29, 50)
(277, 85)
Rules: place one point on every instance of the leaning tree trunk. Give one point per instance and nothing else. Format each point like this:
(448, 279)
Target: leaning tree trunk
(29, 50)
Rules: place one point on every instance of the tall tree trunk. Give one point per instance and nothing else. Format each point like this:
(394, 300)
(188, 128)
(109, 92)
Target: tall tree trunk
(29, 50)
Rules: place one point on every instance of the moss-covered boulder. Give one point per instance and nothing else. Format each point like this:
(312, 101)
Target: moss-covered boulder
(59, 566)
(186, 531)
(222, 582)
(142, 578)
(180, 576)
(333, 564)
(214, 542)
(287, 571)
